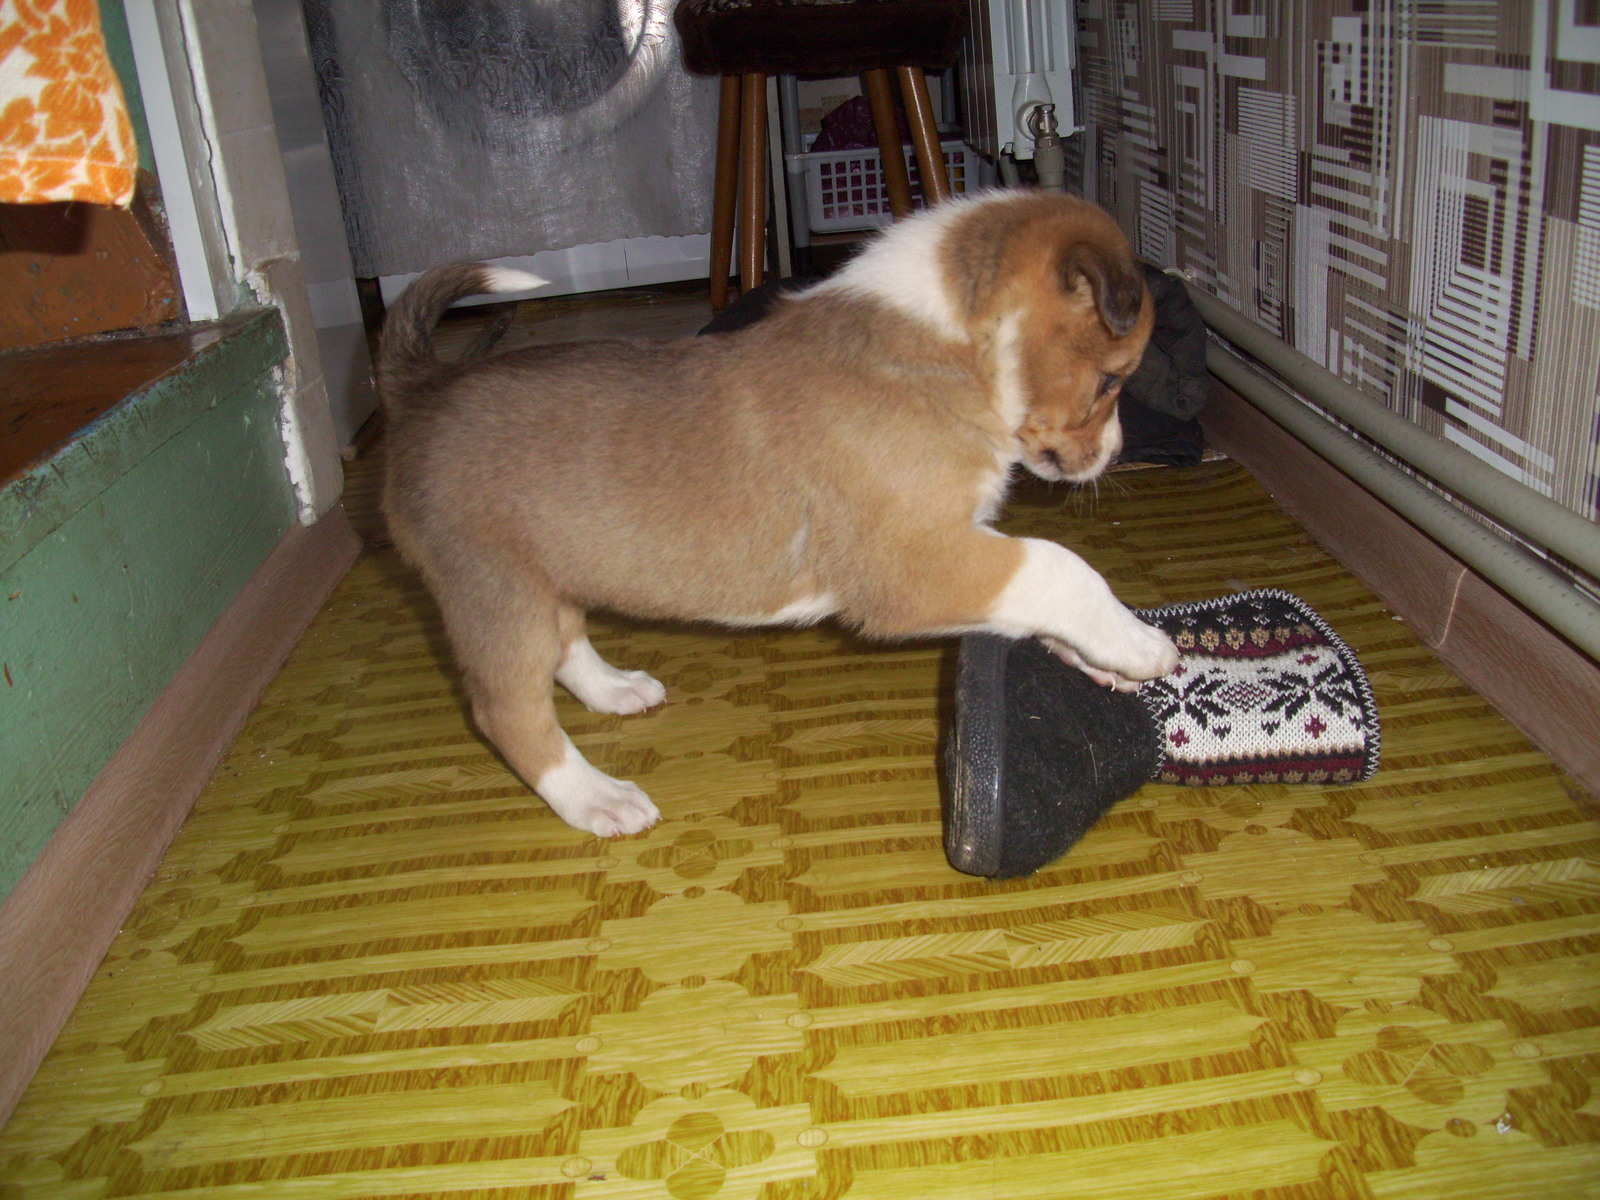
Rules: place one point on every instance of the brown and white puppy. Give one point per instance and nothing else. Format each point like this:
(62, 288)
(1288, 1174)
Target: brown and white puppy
(843, 457)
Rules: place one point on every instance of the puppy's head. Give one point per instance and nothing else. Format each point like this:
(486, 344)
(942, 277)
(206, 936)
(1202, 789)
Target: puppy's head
(1070, 316)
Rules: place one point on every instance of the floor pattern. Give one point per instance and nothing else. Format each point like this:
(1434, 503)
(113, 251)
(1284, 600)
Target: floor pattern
(373, 965)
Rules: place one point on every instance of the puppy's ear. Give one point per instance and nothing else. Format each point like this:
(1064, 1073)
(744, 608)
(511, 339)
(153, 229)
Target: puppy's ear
(1113, 281)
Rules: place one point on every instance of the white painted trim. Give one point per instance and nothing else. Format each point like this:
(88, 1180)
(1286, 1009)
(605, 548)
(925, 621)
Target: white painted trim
(190, 243)
(596, 267)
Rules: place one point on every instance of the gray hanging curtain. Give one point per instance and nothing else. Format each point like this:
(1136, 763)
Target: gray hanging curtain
(464, 129)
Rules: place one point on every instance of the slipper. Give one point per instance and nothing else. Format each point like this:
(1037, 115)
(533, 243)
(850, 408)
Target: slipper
(1264, 692)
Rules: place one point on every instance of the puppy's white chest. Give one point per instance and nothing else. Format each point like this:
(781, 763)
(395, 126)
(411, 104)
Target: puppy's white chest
(992, 492)
(1010, 409)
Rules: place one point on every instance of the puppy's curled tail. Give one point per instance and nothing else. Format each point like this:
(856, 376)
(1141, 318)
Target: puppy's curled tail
(406, 358)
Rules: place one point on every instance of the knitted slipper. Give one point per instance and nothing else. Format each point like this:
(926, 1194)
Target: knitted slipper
(1265, 692)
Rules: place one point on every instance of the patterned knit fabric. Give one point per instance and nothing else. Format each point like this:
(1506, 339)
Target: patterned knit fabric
(1266, 692)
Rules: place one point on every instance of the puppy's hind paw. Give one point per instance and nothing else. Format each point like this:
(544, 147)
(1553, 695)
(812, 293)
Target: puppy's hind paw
(624, 809)
(590, 800)
(625, 693)
(613, 808)
(604, 688)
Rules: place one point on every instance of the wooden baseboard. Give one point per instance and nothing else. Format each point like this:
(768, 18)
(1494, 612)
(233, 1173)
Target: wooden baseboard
(1538, 680)
(59, 920)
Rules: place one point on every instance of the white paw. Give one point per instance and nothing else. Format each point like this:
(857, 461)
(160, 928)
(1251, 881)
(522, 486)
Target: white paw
(604, 688)
(1108, 679)
(625, 693)
(1054, 593)
(588, 799)
(613, 810)
(1147, 654)
(1138, 652)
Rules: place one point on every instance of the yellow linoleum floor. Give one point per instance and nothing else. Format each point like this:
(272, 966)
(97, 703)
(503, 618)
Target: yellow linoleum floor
(374, 965)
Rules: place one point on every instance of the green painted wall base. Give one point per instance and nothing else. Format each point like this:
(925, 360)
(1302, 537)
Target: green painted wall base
(116, 557)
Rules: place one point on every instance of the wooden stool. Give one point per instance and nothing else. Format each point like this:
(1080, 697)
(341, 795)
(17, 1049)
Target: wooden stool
(744, 41)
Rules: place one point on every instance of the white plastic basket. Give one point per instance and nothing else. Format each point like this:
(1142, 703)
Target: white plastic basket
(845, 189)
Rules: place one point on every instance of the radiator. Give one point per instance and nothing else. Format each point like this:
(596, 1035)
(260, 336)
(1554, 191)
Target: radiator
(1017, 54)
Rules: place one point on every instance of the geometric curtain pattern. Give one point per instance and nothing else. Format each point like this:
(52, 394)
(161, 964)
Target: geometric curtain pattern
(1407, 192)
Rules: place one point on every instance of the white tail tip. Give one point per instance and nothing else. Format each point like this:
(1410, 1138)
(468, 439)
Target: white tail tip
(509, 279)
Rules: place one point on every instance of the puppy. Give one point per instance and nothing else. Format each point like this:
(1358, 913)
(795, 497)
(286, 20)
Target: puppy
(843, 457)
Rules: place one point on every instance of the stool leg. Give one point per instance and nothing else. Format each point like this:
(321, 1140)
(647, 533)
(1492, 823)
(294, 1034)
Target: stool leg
(726, 195)
(880, 95)
(924, 135)
(752, 180)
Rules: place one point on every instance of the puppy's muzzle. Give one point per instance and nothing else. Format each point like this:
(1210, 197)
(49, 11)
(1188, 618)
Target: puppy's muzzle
(1071, 455)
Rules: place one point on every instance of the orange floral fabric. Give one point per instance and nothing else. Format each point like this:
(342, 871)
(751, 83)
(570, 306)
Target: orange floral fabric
(64, 127)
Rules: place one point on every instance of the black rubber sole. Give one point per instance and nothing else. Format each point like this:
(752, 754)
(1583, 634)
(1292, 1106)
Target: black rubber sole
(1038, 753)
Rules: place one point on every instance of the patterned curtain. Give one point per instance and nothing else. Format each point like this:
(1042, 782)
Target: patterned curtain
(1406, 191)
(64, 128)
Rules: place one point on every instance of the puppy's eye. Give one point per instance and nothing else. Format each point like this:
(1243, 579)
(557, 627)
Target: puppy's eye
(1107, 382)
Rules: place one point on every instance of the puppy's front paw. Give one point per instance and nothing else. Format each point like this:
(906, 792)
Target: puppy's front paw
(1107, 679)
(1055, 594)
(1148, 653)
(1138, 652)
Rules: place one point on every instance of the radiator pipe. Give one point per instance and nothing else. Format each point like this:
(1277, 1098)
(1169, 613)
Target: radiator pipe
(1518, 507)
(1563, 607)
